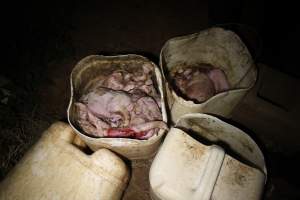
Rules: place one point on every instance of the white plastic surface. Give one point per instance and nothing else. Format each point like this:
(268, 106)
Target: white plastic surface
(222, 49)
(55, 169)
(186, 169)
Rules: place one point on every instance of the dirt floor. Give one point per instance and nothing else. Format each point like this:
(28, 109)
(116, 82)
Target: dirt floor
(38, 94)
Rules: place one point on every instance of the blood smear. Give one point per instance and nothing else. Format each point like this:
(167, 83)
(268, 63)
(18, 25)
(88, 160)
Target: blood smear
(124, 132)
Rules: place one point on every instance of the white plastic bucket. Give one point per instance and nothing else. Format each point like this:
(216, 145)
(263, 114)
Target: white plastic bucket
(185, 168)
(220, 48)
(87, 71)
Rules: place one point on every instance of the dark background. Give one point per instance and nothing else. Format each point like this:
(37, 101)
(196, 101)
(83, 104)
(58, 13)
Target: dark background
(42, 41)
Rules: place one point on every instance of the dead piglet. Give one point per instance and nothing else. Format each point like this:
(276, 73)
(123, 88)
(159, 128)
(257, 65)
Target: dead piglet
(200, 84)
(103, 108)
(145, 118)
(105, 112)
(140, 79)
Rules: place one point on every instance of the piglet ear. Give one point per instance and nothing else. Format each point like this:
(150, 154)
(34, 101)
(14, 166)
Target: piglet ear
(219, 79)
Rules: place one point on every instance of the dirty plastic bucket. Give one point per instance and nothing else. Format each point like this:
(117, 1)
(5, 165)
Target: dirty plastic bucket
(86, 72)
(227, 164)
(54, 168)
(220, 48)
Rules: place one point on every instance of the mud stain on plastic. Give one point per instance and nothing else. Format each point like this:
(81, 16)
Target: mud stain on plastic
(194, 151)
(240, 172)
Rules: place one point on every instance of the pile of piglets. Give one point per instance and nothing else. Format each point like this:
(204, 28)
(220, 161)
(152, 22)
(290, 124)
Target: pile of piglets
(199, 83)
(122, 104)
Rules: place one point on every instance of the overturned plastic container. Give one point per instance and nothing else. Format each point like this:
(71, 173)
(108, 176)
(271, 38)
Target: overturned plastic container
(220, 48)
(227, 164)
(87, 72)
(55, 168)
